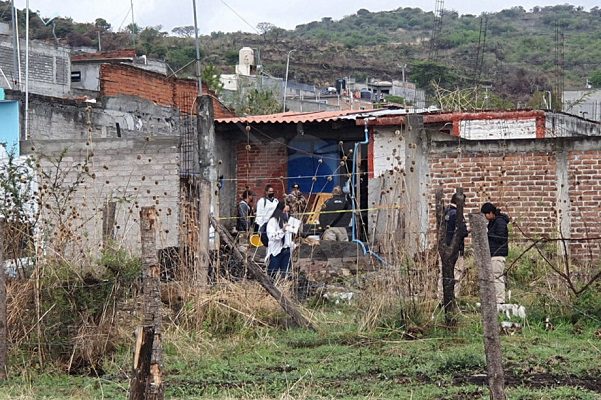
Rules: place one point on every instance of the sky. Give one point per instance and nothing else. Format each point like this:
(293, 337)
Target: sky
(244, 15)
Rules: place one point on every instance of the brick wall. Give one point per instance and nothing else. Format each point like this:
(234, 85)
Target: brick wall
(119, 79)
(585, 200)
(522, 184)
(260, 164)
(525, 186)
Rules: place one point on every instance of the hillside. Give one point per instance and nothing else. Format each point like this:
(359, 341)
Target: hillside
(516, 51)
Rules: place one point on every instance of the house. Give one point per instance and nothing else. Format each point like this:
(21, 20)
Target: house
(539, 166)
(584, 103)
(125, 138)
(49, 67)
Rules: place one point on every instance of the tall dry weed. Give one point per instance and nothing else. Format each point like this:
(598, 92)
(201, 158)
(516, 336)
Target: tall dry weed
(402, 296)
(230, 307)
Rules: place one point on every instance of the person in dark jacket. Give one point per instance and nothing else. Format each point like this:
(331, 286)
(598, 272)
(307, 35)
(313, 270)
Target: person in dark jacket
(451, 219)
(336, 216)
(498, 241)
(244, 222)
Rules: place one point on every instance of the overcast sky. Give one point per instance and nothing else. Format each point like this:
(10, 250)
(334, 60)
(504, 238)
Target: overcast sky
(215, 15)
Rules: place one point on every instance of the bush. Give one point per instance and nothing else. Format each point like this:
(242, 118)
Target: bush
(79, 308)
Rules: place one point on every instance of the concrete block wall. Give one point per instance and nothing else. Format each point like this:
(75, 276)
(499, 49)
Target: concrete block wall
(49, 67)
(131, 172)
(122, 116)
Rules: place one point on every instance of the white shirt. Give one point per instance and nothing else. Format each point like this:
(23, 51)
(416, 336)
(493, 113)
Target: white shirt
(275, 235)
(265, 208)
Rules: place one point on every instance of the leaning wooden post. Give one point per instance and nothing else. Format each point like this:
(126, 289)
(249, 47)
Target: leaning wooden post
(3, 319)
(492, 343)
(265, 281)
(147, 381)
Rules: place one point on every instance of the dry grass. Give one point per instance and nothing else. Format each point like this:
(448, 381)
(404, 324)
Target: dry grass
(230, 307)
(402, 296)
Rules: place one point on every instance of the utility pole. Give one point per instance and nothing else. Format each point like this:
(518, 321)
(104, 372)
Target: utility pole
(206, 164)
(133, 24)
(3, 316)
(197, 45)
(286, 80)
(17, 52)
(26, 136)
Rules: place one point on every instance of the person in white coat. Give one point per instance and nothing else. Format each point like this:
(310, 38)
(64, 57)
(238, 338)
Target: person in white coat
(280, 244)
(265, 206)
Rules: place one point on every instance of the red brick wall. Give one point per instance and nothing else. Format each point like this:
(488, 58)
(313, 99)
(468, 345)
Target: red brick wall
(523, 185)
(585, 201)
(259, 165)
(119, 79)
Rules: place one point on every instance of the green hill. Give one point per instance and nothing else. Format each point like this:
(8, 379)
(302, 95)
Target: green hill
(517, 52)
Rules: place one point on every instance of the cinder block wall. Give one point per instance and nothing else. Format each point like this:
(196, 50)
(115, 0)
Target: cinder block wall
(131, 172)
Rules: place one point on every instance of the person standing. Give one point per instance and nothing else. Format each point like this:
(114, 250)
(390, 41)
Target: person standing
(336, 216)
(245, 214)
(498, 241)
(265, 206)
(297, 202)
(280, 244)
(450, 217)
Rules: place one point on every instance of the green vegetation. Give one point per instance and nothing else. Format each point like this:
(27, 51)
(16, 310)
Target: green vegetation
(340, 362)
(232, 343)
(518, 57)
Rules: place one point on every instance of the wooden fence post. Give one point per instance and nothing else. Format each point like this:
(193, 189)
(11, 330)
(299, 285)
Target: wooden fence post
(490, 320)
(147, 380)
(108, 223)
(3, 319)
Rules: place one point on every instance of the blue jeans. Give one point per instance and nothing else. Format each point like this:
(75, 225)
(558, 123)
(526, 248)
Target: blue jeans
(278, 265)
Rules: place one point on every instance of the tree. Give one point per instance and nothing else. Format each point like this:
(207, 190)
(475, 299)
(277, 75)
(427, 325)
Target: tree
(265, 28)
(102, 25)
(184, 31)
(259, 102)
(595, 79)
(133, 28)
(210, 76)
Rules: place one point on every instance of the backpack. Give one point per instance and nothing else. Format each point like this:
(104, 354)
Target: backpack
(263, 234)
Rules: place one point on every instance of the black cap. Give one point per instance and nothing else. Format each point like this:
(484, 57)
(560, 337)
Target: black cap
(295, 186)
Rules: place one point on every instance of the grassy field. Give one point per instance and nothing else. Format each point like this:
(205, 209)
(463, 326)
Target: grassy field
(339, 362)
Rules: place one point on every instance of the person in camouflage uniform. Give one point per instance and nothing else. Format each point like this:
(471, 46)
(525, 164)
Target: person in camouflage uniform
(297, 202)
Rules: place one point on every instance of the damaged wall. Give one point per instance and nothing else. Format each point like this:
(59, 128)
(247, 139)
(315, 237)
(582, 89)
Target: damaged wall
(119, 116)
(544, 186)
(133, 172)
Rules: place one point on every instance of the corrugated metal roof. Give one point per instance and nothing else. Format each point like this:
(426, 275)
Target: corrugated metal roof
(290, 117)
(321, 116)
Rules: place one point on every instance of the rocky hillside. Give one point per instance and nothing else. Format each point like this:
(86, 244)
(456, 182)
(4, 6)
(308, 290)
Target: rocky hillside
(515, 51)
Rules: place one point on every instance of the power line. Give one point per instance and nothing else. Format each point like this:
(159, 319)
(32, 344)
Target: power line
(240, 16)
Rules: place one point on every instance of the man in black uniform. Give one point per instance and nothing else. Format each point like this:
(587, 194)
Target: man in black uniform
(335, 216)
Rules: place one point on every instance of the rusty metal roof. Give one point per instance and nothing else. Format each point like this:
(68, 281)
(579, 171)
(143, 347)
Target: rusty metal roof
(292, 117)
